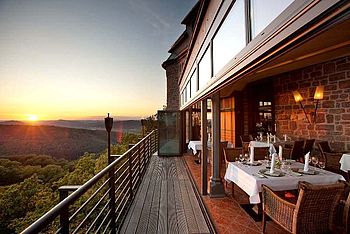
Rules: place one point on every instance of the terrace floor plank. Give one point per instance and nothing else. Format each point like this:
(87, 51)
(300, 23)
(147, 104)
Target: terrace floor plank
(166, 201)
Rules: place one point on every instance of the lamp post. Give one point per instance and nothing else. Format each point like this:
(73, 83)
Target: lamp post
(109, 125)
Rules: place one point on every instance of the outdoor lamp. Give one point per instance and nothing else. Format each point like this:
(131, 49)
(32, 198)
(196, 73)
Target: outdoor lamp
(317, 96)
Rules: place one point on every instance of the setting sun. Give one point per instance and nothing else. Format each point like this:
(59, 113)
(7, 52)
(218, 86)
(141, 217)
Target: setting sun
(32, 117)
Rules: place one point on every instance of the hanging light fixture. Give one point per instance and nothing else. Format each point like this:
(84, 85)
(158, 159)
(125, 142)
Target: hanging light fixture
(317, 96)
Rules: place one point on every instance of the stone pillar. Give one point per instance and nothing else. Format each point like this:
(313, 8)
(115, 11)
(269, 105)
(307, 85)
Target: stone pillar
(204, 153)
(216, 185)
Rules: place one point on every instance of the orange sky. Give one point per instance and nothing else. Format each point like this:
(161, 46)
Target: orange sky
(73, 59)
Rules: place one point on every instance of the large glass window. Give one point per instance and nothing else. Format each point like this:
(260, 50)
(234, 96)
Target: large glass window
(264, 12)
(231, 37)
(193, 83)
(182, 98)
(188, 90)
(204, 69)
(185, 94)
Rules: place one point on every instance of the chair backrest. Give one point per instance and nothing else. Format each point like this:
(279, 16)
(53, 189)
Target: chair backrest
(316, 207)
(309, 145)
(323, 146)
(246, 138)
(287, 153)
(260, 153)
(223, 145)
(232, 153)
(332, 161)
(298, 151)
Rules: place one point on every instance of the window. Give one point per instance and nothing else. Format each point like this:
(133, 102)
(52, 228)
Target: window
(193, 83)
(227, 118)
(264, 12)
(204, 69)
(231, 37)
(188, 90)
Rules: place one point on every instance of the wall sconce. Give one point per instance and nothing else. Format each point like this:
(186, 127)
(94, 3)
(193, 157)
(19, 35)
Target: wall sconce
(317, 96)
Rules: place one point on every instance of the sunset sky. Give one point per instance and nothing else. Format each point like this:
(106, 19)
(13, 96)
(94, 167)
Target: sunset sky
(79, 59)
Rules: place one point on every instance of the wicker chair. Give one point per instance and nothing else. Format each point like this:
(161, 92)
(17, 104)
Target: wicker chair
(342, 219)
(230, 156)
(314, 211)
(246, 139)
(331, 158)
(260, 153)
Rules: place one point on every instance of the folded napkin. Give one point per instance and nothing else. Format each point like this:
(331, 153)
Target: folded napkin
(251, 155)
(273, 162)
(306, 165)
(280, 152)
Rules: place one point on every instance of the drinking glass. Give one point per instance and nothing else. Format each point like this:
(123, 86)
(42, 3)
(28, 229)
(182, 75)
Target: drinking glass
(246, 157)
(314, 160)
(321, 165)
(241, 158)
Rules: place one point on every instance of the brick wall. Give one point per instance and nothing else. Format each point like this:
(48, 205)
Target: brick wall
(333, 115)
(172, 74)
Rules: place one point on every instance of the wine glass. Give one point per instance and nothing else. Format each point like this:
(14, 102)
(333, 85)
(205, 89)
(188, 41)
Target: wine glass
(241, 158)
(246, 157)
(321, 165)
(314, 160)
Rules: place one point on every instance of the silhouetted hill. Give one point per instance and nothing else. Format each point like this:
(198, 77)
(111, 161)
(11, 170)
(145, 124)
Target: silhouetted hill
(132, 126)
(58, 142)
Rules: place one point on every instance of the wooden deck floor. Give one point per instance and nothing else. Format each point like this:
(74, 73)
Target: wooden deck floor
(166, 201)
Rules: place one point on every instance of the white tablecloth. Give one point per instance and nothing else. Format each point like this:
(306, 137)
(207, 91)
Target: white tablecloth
(197, 146)
(261, 144)
(243, 176)
(345, 162)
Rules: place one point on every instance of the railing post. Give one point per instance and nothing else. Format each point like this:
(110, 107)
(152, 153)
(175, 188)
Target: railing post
(109, 125)
(64, 215)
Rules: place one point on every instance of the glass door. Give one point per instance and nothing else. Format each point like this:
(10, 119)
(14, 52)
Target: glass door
(169, 133)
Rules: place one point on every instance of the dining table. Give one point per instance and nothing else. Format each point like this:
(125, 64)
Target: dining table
(345, 162)
(261, 144)
(196, 146)
(250, 179)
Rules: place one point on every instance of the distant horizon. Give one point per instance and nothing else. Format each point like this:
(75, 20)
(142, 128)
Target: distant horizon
(76, 59)
(82, 119)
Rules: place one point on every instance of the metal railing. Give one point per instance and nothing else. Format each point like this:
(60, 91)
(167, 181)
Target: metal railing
(101, 204)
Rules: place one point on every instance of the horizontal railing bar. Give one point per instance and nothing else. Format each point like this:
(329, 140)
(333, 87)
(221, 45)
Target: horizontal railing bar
(98, 216)
(122, 192)
(89, 199)
(46, 219)
(107, 225)
(121, 175)
(122, 201)
(91, 211)
(120, 213)
(103, 220)
(121, 167)
(122, 183)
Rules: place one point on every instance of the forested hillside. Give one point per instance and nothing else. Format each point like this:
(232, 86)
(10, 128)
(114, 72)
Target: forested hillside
(67, 143)
(29, 183)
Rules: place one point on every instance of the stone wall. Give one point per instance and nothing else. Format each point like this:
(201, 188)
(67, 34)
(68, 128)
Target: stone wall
(333, 115)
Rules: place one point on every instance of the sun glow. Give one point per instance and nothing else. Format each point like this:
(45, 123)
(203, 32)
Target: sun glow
(32, 118)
